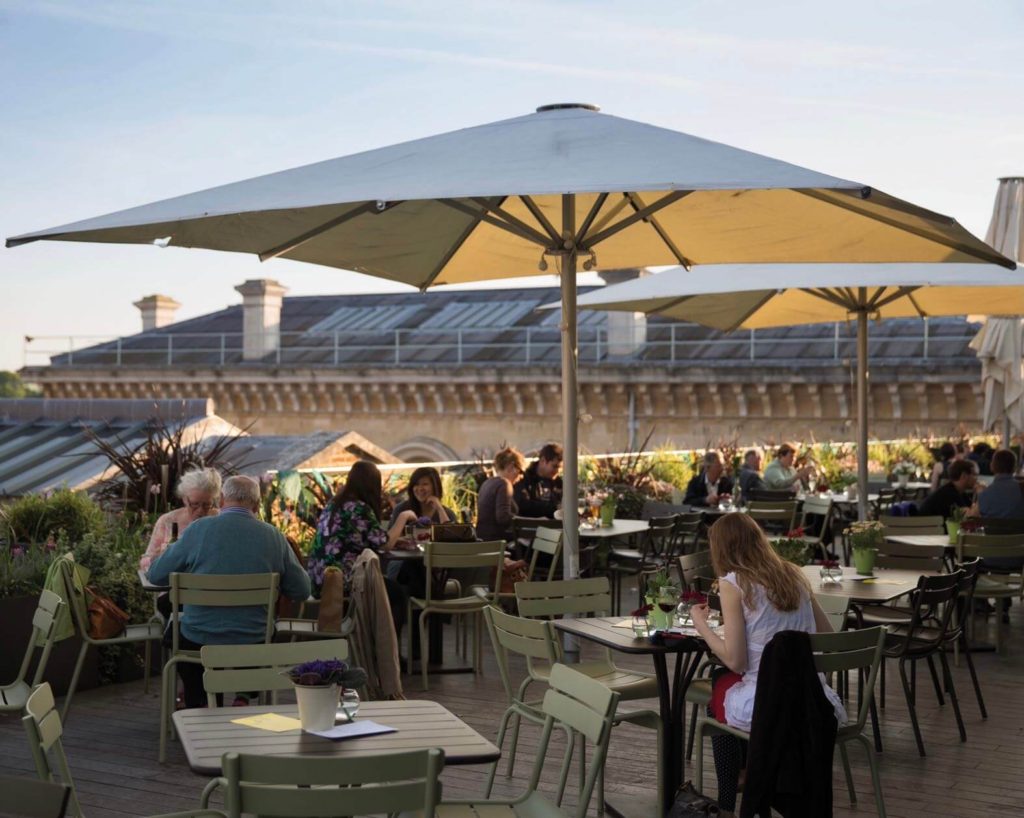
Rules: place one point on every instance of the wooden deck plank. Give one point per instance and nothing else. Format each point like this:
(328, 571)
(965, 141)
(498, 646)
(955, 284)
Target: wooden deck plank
(111, 741)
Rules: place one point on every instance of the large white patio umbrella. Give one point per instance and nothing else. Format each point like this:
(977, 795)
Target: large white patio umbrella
(753, 296)
(523, 195)
(1000, 342)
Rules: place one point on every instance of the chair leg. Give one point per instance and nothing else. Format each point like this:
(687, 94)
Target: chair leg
(408, 646)
(698, 767)
(148, 655)
(74, 681)
(911, 707)
(935, 681)
(692, 730)
(974, 676)
(424, 648)
(516, 723)
(951, 689)
(166, 694)
(848, 773)
(511, 752)
(881, 694)
(876, 781)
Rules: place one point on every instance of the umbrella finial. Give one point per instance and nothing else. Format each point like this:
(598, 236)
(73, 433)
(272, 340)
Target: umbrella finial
(561, 106)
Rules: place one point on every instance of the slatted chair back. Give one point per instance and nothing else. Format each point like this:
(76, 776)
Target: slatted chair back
(859, 650)
(968, 571)
(524, 529)
(548, 600)
(13, 695)
(309, 785)
(661, 537)
(696, 570)
(932, 605)
(913, 525)
(586, 706)
(769, 495)
(42, 725)
(813, 508)
(28, 798)
(238, 668)
(223, 591)
(533, 639)
(545, 541)
(449, 555)
(777, 516)
(886, 497)
(689, 527)
(835, 608)
(924, 558)
(990, 546)
(1001, 525)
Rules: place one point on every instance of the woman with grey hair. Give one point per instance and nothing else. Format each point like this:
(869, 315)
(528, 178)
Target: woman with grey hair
(199, 492)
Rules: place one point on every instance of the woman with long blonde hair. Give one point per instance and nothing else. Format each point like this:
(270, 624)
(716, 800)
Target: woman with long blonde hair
(761, 595)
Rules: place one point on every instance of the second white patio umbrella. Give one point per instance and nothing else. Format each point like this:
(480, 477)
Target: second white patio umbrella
(729, 297)
(546, 190)
(1000, 343)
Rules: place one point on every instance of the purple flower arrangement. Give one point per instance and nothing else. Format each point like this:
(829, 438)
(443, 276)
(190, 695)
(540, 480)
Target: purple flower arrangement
(322, 672)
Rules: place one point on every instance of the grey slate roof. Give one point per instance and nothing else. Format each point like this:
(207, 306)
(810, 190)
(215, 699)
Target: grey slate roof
(489, 328)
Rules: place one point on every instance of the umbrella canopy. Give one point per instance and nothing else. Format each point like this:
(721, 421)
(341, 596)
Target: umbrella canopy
(503, 199)
(999, 343)
(729, 297)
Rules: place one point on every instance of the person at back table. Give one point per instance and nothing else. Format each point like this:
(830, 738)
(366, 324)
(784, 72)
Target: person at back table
(233, 542)
(539, 493)
(1002, 497)
(496, 506)
(761, 595)
(963, 476)
(706, 487)
(780, 474)
(750, 474)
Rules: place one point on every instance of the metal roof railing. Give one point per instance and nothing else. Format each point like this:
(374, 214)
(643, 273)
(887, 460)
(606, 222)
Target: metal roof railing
(664, 344)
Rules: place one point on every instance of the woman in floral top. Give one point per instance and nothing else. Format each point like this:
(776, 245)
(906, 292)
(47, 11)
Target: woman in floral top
(350, 523)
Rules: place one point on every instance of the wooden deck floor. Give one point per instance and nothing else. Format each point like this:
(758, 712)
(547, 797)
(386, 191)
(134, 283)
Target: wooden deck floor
(111, 741)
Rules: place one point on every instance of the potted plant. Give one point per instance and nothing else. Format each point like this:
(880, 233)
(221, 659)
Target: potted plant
(955, 523)
(792, 547)
(318, 684)
(903, 471)
(865, 538)
(609, 505)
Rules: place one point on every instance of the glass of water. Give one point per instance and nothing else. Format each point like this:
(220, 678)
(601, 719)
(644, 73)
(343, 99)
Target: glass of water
(350, 704)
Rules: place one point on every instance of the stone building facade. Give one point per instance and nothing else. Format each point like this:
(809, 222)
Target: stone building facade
(446, 375)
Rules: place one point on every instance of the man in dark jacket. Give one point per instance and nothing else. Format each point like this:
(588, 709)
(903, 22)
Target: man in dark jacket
(710, 484)
(963, 475)
(539, 493)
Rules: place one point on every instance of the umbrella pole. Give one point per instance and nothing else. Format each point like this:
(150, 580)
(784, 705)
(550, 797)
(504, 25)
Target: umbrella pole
(862, 414)
(570, 478)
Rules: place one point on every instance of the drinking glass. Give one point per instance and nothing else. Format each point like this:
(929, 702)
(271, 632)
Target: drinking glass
(683, 614)
(641, 628)
(350, 703)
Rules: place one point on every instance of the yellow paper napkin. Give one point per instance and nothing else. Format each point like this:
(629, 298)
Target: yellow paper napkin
(270, 721)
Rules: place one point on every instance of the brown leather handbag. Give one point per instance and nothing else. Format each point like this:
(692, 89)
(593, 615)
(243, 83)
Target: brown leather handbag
(106, 620)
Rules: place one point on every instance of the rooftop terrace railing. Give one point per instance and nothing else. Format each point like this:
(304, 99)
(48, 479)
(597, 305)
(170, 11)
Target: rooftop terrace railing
(664, 344)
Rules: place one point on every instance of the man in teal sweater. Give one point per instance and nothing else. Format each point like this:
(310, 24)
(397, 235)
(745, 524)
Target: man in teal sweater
(233, 542)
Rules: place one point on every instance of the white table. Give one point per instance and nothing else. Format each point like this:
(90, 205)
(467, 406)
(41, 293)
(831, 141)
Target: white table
(618, 528)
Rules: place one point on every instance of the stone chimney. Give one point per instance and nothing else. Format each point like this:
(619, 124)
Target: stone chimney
(627, 331)
(157, 311)
(261, 321)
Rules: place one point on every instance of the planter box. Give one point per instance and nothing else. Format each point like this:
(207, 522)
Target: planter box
(16, 615)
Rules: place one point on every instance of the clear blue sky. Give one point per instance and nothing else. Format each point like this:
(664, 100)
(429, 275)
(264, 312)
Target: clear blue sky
(111, 104)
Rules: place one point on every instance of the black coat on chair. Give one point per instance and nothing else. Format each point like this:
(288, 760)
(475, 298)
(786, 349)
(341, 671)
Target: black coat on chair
(792, 737)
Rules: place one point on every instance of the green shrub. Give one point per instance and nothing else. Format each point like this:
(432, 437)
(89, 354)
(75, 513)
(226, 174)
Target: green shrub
(23, 569)
(36, 518)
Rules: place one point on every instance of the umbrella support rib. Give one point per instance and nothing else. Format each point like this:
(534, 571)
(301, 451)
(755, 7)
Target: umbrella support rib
(503, 214)
(456, 246)
(993, 257)
(581, 234)
(638, 216)
(291, 244)
(522, 230)
(638, 204)
(826, 295)
(877, 303)
(542, 220)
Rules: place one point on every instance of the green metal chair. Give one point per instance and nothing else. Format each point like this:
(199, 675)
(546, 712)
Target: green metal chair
(31, 798)
(994, 584)
(578, 703)
(235, 668)
(13, 695)
(42, 725)
(217, 591)
(894, 526)
(147, 633)
(833, 653)
(445, 556)
(287, 786)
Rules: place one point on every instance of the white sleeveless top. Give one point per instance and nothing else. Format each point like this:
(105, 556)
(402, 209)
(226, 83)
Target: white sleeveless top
(763, 621)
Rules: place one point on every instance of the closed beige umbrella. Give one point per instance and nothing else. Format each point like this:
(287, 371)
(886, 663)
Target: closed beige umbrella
(1000, 343)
